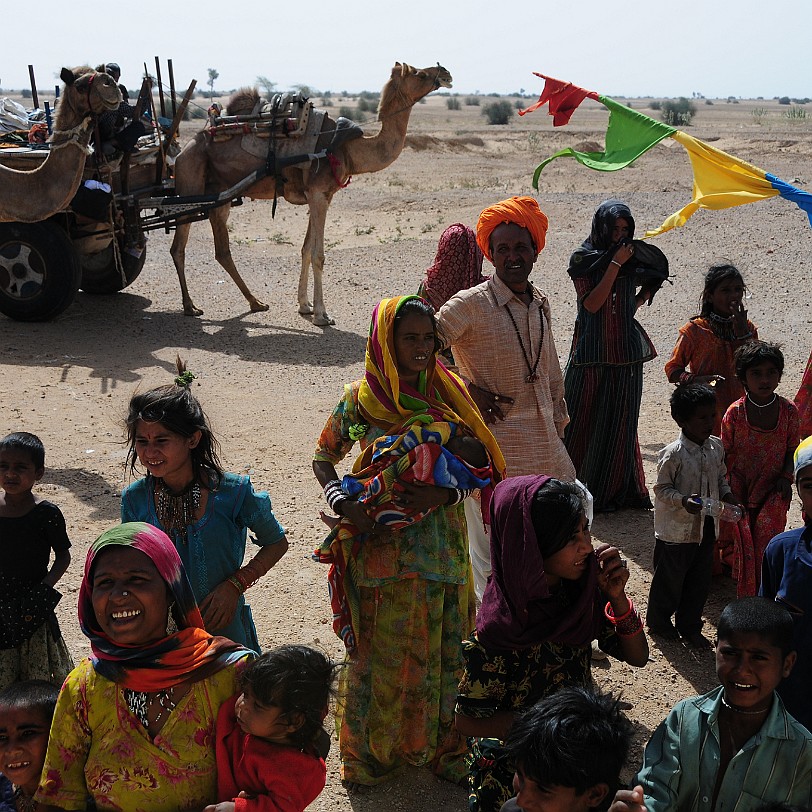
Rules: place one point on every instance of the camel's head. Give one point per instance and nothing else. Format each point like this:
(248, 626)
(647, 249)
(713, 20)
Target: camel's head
(90, 91)
(430, 79)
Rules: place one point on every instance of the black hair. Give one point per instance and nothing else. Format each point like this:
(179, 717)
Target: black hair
(713, 278)
(175, 407)
(555, 511)
(687, 398)
(34, 695)
(757, 615)
(577, 737)
(419, 307)
(297, 680)
(757, 352)
(28, 443)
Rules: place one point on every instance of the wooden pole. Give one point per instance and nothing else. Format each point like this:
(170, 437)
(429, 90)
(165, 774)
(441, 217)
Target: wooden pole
(160, 86)
(172, 88)
(34, 96)
(48, 120)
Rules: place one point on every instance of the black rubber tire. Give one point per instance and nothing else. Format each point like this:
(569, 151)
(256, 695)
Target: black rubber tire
(39, 271)
(100, 275)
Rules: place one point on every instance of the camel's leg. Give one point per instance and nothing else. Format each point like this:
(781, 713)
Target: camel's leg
(319, 204)
(305, 305)
(222, 252)
(178, 252)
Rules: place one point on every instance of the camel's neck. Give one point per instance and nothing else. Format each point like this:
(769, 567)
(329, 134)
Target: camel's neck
(375, 152)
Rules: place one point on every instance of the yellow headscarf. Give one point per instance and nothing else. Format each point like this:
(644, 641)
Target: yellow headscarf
(441, 395)
(524, 211)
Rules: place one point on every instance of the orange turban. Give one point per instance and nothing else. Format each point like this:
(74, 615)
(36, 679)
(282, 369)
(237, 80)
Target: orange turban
(524, 211)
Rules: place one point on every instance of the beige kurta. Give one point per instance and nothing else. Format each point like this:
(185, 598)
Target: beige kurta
(487, 351)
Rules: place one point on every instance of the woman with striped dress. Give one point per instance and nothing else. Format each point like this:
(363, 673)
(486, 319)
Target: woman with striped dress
(603, 381)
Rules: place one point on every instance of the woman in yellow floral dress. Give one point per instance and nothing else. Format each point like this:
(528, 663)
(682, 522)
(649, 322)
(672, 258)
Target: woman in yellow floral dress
(134, 723)
(402, 599)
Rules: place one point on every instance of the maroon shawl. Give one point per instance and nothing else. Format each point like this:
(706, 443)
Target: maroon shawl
(518, 610)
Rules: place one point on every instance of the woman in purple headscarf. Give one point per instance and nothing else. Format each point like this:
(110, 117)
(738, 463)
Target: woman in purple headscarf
(549, 596)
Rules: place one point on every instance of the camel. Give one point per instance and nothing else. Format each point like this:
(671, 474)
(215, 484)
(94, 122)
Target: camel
(206, 165)
(34, 195)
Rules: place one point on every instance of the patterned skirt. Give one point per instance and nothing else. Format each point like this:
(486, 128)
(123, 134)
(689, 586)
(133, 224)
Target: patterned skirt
(604, 406)
(398, 688)
(43, 656)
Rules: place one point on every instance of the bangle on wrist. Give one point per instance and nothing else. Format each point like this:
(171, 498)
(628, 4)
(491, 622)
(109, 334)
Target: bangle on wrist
(628, 624)
(614, 262)
(235, 582)
(334, 493)
(685, 378)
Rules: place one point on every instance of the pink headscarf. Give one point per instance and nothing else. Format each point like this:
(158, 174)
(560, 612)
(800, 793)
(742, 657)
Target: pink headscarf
(457, 266)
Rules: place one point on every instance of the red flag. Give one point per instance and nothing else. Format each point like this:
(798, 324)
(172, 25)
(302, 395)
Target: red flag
(563, 98)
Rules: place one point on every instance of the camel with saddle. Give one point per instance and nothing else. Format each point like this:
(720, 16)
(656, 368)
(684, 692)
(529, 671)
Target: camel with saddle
(299, 154)
(34, 195)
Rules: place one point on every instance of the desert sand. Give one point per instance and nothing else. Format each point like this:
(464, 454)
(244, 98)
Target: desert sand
(269, 380)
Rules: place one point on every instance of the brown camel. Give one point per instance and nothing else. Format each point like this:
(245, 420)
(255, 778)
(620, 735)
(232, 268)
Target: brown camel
(31, 196)
(206, 165)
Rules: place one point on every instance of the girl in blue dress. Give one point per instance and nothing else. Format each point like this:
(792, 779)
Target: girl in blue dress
(205, 511)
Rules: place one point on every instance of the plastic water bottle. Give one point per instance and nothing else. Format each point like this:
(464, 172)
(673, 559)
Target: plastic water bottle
(720, 510)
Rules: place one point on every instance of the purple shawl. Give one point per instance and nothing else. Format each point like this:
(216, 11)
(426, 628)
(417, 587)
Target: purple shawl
(517, 608)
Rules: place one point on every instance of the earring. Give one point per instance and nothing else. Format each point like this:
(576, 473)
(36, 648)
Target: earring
(171, 625)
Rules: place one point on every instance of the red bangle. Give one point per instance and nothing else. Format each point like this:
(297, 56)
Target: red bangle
(610, 615)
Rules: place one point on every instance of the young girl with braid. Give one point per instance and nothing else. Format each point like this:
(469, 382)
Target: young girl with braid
(206, 512)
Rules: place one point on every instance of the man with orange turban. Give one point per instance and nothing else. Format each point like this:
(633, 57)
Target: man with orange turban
(500, 334)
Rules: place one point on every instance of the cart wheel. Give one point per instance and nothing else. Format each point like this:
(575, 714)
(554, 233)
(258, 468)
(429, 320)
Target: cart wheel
(39, 271)
(100, 274)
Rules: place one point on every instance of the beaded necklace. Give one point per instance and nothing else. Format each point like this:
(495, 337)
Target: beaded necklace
(176, 511)
(532, 375)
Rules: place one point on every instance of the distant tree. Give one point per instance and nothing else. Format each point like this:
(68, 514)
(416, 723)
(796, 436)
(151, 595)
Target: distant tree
(678, 111)
(266, 85)
(784, 100)
(305, 90)
(213, 76)
(656, 104)
(498, 112)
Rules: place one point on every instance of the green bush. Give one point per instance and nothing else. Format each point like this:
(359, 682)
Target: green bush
(453, 103)
(784, 100)
(656, 104)
(472, 101)
(678, 112)
(499, 112)
(347, 112)
(795, 113)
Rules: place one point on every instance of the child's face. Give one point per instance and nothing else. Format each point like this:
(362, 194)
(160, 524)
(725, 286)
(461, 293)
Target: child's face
(726, 296)
(750, 668)
(18, 474)
(699, 426)
(532, 797)
(164, 453)
(804, 485)
(23, 742)
(571, 561)
(267, 722)
(761, 381)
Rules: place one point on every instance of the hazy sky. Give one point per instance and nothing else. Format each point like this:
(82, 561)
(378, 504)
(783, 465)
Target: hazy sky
(719, 48)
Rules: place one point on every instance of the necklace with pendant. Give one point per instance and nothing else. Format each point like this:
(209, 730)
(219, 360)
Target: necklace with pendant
(532, 375)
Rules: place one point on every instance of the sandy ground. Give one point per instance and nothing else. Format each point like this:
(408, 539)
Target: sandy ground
(269, 380)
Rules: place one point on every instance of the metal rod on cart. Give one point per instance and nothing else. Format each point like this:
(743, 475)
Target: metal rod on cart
(160, 86)
(172, 88)
(34, 96)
